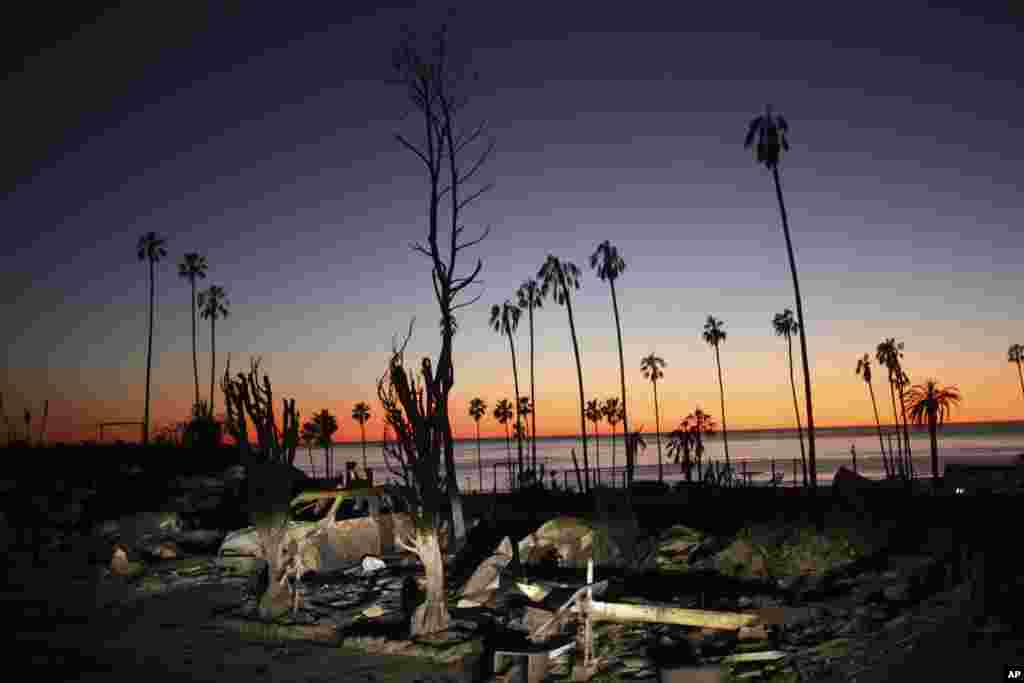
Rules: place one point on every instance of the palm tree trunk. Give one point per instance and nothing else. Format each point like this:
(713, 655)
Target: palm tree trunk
(657, 430)
(906, 435)
(796, 408)
(597, 446)
(519, 419)
(213, 356)
(933, 436)
(721, 394)
(479, 462)
(508, 457)
(579, 377)
(1021, 377)
(533, 399)
(613, 449)
(195, 359)
(896, 422)
(149, 352)
(362, 429)
(878, 422)
(622, 366)
(811, 459)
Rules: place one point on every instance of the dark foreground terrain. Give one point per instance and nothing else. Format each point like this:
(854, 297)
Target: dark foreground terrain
(72, 623)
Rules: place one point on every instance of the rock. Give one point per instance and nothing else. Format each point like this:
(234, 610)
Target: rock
(121, 565)
(852, 488)
(758, 632)
(897, 592)
(675, 546)
(133, 528)
(570, 541)
(108, 529)
(201, 482)
(160, 550)
(374, 611)
(201, 539)
(485, 581)
(742, 559)
(372, 564)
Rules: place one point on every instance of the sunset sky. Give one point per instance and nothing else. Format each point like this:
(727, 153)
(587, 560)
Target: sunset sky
(264, 140)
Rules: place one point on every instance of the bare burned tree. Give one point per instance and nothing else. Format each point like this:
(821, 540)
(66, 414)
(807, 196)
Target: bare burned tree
(414, 411)
(452, 155)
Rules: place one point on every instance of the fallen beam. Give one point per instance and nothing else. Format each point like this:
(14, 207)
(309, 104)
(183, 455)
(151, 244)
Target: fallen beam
(666, 614)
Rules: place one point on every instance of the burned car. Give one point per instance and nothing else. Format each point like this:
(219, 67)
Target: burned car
(332, 529)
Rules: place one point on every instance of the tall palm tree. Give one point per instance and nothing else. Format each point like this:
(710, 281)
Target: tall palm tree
(771, 132)
(864, 370)
(888, 353)
(213, 305)
(558, 279)
(528, 297)
(192, 267)
(477, 409)
(594, 414)
(326, 426)
(784, 325)
(361, 414)
(928, 402)
(309, 436)
(1016, 355)
(613, 413)
(610, 265)
(503, 414)
(714, 334)
(525, 411)
(151, 249)
(505, 320)
(651, 366)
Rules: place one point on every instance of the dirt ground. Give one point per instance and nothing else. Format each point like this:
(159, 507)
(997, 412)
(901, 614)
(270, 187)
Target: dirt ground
(71, 627)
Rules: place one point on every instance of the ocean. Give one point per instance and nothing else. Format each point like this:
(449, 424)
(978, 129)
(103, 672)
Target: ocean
(753, 449)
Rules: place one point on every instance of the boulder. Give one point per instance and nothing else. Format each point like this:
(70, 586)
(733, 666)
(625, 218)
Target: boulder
(160, 550)
(674, 547)
(571, 541)
(122, 565)
(852, 489)
(372, 565)
(203, 540)
(485, 581)
(783, 552)
(133, 528)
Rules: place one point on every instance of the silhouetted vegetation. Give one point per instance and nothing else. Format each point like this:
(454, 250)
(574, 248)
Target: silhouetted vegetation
(246, 398)
(1016, 356)
(714, 334)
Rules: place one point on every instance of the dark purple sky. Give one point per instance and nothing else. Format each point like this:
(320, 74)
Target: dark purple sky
(263, 139)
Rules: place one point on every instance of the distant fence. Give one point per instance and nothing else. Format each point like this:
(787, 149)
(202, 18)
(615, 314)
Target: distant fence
(502, 475)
